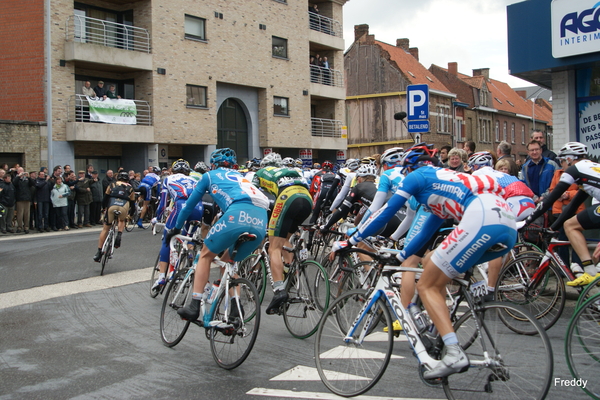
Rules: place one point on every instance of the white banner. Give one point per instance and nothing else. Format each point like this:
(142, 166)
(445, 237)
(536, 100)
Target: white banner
(589, 127)
(113, 111)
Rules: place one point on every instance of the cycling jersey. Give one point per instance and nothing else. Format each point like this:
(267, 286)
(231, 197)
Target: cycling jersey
(175, 187)
(388, 184)
(447, 194)
(148, 182)
(118, 195)
(195, 175)
(344, 177)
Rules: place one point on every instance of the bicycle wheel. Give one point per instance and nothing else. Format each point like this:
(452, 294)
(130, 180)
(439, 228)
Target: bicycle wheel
(130, 223)
(172, 327)
(107, 249)
(308, 291)
(545, 300)
(254, 269)
(589, 291)
(499, 370)
(231, 345)
(335, 274)
(352, 367)
(582, 345)
(154, 276)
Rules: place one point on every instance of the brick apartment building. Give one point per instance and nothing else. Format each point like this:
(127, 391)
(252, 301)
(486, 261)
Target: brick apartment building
(201, 75)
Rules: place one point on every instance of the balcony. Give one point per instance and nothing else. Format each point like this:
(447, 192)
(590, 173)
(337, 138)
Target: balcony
(327, 134)
(326, 32)
(117, 47)
(327, 83)
(79, 127)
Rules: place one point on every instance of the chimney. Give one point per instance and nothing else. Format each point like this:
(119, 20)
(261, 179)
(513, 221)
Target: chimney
(414, 51)
(453, 68)
(403, 44)
(485, 72)
(522, 93)
(360, 31)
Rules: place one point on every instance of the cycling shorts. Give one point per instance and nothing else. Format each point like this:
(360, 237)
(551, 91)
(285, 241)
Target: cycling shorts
(488, 233)
(590, 217)
(196, 215)
(145, 191)
(109, 215)
(210, 209)
(292, 207)
(521, 206)
(239, 218)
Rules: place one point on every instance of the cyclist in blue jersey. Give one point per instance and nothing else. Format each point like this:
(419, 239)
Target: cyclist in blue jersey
(489, 232)
(148, 183)
(244, 209)
(177, 187)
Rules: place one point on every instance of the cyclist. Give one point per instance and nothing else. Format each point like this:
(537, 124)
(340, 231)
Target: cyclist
(119, 196)
(516, 193)
(199, 169)
(244, 210)
(177, 187)
(150, 181)
(489, 232)
(321, 183)
(343, 178)
(585, 173)
(292, 206)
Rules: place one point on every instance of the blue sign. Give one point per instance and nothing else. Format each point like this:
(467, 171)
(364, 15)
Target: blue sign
(417, 102)
(418, 126)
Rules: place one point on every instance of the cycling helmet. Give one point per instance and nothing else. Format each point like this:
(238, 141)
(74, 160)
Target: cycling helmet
(288, 162)
(253, 165)
(352, 164)
(317, 165)
(201, 167)
(271, 160)
(298, 163)
(181, 167)
(156, 170)
(481, 159)
(575, 149)
(327, 165)
(368, 160)
(123, 176)
(419, 156)
(367, 170)
(223, 158)
(392, 156)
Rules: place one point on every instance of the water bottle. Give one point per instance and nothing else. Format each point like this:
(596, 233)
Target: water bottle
(415, 313)
(213, 291)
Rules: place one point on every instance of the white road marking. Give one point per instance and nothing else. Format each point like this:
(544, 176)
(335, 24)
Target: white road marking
(353, 352)
(289, 394)
(302, 373)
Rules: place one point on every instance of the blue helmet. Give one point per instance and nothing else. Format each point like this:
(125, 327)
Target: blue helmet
(223, 158)
(418, 156)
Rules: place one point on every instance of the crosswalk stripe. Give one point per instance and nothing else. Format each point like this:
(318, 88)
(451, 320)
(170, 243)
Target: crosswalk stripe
(342, 352)
(303, 373)
(290, 394)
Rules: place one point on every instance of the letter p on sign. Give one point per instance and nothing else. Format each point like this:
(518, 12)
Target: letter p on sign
(417, 102)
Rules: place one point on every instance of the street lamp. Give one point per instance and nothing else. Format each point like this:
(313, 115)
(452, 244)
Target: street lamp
(536, 94)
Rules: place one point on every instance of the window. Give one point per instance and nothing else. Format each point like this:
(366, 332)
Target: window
(483, 98)
(512, 133)
(485, 130)
(443, 119)
(196, 96)
(497, 133)
(523, 134)
(279, 47)
(195, 28)
(280, 106)
(504, 131)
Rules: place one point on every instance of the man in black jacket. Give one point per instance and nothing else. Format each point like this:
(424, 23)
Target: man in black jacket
(42, 195)
(23, 183)
(7, 199)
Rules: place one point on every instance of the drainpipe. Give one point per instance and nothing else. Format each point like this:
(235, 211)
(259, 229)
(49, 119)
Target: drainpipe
(49, 83)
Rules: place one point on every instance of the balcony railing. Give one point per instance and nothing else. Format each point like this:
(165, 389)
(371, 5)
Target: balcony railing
(326, 127)
(320, 23)
(79, 110)
(326, 76)
(105, 33)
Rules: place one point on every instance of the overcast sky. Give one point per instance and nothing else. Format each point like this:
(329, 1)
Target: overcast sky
(469, 32)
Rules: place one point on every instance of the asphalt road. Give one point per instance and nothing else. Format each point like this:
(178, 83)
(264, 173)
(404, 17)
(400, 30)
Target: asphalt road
(67, 333)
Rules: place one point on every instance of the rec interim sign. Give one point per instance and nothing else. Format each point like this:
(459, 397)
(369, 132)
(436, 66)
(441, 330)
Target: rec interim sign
(575, 27)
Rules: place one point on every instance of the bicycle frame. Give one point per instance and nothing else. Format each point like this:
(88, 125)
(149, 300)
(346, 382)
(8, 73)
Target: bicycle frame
(545, 262)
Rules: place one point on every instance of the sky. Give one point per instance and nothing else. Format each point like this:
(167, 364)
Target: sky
(469, 32)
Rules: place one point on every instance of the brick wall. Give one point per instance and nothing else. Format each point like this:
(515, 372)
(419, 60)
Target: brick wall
(25, 138)
(22, 59)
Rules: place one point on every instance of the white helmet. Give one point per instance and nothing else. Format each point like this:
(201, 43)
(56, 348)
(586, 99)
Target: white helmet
(481, 159)
(573, 149)
(352, 164)
(288, 162)
(366, 170)
(271, 160)
(392, 156)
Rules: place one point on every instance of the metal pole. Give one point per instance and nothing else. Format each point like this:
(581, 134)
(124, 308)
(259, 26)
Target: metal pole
(49, 84)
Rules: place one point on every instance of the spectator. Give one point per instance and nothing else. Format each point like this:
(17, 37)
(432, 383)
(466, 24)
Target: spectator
(457, 158)
(567, 196)
(111, 93)
(60, 201)
(503, 153)
(89, 170)
(56, 172)
(83, 198)
(313, 15)
(71, 182)
(469, 147)
(100, 91)
(87, 90)
(43, 187)
(108, 179)
(7, 200)
(326, 72)
(541, 137)
(134, 179)
(503, 166)
(33, 206)
(23, 184)
(538, 171)
(444, 150)
(97, 196)
(67, 172)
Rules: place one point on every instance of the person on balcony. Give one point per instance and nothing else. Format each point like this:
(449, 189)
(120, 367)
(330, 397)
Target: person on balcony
(326, 71)
(100, 91)
(111, 93)
(87, 90)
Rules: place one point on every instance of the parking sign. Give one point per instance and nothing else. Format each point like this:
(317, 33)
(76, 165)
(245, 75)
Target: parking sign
(417, 102)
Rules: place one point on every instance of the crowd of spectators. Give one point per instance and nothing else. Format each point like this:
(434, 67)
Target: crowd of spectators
(39, 201)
